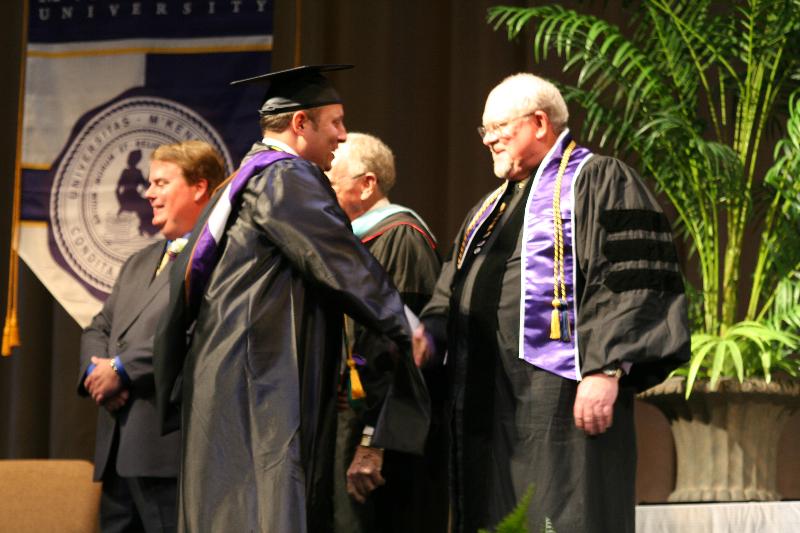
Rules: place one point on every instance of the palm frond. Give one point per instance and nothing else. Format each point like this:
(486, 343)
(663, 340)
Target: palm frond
(517, 520)
(691, 90)
(782, 176)
(608, 128)
(727, 354)
(601, 49)
(784, 311)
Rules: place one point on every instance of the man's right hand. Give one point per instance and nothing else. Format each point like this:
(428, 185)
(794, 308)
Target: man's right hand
(103, 383)
(364, 473)
(421, 345)
(594, 403)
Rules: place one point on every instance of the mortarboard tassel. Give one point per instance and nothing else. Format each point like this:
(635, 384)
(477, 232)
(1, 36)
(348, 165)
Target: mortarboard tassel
(356, 389)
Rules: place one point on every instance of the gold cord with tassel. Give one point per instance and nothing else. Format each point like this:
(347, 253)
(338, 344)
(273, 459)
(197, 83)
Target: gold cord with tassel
(559, 318)
(356, 389)
(11, 327)
(555, 321)
(476, 218)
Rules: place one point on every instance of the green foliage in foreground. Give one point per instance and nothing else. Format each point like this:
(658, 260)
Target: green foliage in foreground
(517, 520)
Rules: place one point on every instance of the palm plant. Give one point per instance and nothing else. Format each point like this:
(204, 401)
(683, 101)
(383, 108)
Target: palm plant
(517, 520)
(693, 93)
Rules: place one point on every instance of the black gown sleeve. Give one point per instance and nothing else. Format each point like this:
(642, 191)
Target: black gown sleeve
(631, 302)
(413, 266)
(297, 210)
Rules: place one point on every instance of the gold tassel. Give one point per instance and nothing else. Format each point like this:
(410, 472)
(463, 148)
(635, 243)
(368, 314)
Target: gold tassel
(555, 322)
(356, 390)
(11, 328)
(10, 334)
(559, 325)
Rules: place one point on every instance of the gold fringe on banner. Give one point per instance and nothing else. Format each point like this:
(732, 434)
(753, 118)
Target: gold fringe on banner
(11, 327)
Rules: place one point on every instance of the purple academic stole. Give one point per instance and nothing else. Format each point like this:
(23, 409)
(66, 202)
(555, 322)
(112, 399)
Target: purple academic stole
(558, 356)
(205, 253)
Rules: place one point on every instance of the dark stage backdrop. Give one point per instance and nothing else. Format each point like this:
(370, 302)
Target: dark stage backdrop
(423, 71)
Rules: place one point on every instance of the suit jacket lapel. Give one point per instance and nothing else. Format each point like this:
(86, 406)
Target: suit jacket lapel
(146, 287)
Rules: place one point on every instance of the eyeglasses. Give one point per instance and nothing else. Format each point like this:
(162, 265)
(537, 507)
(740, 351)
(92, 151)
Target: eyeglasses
(338, 182)
(500, 129)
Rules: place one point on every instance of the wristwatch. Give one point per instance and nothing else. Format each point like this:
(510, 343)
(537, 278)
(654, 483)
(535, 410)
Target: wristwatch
(612, 370)
(366, 436)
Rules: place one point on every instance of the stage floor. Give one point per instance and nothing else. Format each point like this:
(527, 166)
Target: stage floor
(738, 517)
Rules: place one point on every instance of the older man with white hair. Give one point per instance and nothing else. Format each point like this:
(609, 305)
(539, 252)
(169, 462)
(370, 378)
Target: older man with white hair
(415, 495)
(561, 298)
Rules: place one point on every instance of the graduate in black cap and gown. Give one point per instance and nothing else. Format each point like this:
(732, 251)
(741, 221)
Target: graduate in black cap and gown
(251, 343)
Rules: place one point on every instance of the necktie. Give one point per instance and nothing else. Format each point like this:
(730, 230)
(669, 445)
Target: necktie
(173, 249)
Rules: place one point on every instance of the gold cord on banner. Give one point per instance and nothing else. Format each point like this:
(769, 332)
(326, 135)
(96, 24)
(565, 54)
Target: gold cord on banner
(11, 327)
(559, 318)
(356, 389)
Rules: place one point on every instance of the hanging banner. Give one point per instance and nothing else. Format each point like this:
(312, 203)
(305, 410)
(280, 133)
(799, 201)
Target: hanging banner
(106, 82)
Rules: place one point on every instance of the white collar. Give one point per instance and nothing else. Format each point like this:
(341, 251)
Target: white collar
(279, 144)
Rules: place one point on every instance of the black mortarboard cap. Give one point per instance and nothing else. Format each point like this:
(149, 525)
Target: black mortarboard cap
(296, 88)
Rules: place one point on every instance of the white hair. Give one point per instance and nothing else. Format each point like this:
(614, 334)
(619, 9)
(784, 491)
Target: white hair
(526, 93)
(366, 153)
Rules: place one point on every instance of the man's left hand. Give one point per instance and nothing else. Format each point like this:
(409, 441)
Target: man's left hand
(364, 474)
(103, 382)
(115, 403)
(594, 403)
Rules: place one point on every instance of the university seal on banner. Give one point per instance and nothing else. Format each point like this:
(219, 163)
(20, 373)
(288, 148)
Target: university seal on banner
(98, 210)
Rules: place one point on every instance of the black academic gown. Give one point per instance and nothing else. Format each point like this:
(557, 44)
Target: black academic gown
(512, 423)
(409, 257)
(260, 374)
(415, 495)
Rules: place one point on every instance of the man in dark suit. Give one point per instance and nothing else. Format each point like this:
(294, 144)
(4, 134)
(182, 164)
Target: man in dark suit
(137, 465)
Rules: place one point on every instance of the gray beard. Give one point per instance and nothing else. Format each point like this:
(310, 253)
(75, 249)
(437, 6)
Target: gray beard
(502, 166)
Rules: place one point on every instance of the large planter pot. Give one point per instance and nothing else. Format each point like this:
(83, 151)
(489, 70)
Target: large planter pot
(726, 440)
